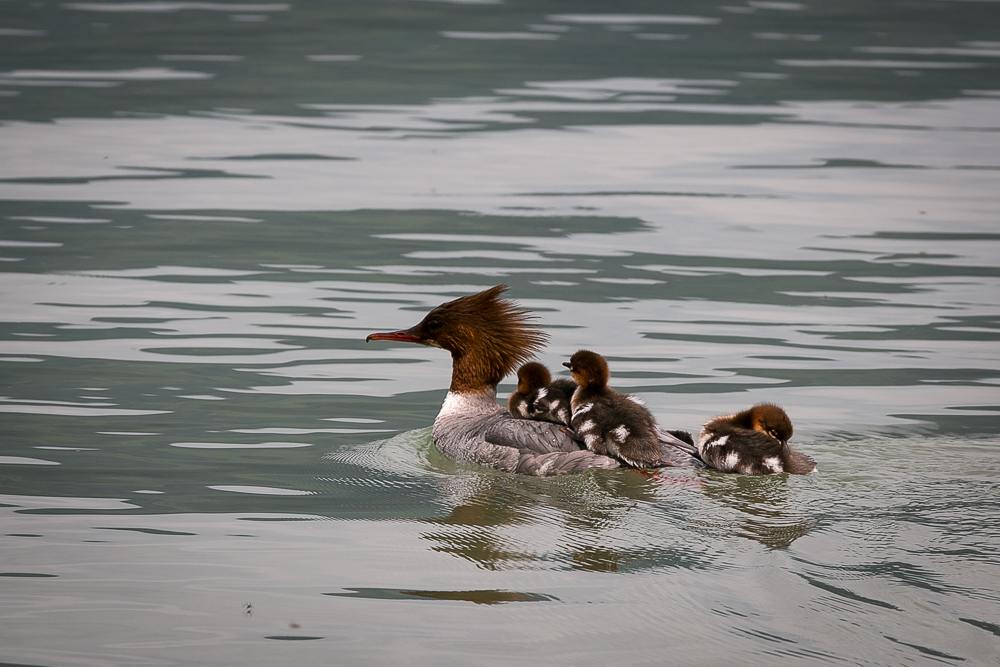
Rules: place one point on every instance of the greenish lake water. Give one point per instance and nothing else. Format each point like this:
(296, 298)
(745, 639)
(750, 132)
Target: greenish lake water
(205, 207)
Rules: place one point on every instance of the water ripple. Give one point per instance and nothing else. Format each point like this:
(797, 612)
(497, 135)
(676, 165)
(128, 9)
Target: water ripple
(750, 202)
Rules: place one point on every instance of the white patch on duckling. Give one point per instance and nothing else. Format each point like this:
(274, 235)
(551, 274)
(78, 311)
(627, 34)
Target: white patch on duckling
(773, 463)
(707, 441)
(589, 440)
(636, 400)
(731, 461)
(620, 433)
(522, 407)
(542, 393)
(586, 426)
(583, 408)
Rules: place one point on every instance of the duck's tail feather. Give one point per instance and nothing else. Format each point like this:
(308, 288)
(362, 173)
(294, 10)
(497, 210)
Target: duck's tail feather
(678, 451)
(798, 463)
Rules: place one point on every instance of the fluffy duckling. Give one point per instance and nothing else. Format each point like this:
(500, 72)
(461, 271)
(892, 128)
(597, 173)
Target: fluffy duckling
(539, 397)
(611, 423)
(752, 442)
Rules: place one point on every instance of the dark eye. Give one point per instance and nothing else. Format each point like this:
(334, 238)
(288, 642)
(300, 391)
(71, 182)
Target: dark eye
(433, 325)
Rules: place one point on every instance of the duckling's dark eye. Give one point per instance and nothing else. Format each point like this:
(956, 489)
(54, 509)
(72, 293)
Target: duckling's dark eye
(433, 325)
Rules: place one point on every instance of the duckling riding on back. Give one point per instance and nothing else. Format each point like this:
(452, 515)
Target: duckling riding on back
(618, 424)
(538, 396)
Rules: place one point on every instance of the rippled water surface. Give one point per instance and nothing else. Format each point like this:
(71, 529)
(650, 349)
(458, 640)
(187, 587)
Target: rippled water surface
(205, 207)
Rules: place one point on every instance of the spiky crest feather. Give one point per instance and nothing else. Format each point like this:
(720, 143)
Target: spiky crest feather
(488, 337)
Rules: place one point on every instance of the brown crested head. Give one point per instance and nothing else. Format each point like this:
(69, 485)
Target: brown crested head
(771, 419)
(589, 369)
(488, 336)
(532, 376)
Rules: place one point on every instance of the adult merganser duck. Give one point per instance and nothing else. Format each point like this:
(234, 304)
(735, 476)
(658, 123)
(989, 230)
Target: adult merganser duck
(488, 337)
(753, 442)
(609, 422)
(540, 397)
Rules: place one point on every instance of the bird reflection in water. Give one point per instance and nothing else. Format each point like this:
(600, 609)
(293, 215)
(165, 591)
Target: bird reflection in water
(763, 511)
(578, 522)
(614, 521)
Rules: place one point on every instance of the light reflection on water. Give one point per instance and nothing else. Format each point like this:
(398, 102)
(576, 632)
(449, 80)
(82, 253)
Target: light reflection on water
(202, 461)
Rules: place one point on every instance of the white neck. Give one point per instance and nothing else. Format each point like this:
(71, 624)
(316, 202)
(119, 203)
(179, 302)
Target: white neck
(470, 404)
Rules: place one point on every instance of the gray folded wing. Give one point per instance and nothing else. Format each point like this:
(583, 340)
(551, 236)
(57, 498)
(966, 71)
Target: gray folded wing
(545, 449)
(525, 434)
(562, 463)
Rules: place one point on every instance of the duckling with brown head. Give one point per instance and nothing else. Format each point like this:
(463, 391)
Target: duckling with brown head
(540, 397)
(611, 423)
(753, 442)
